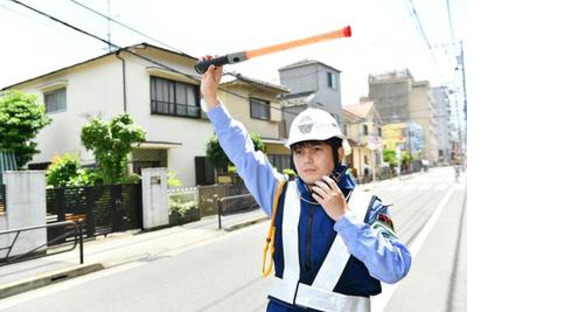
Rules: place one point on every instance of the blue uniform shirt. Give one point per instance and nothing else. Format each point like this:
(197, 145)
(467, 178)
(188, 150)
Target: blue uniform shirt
(378, 253)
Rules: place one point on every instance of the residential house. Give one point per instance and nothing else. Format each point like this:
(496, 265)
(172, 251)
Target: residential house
(312, 84)
(256, 104)
(160, 89)
(364, 134)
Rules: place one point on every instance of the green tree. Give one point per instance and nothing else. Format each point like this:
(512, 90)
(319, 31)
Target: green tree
(111, 144)
(218, 158)
(390, 157)
(21, 118)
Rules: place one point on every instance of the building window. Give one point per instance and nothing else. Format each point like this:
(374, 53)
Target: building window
(259, 109)
(174, 98)
(380, 131)
(55, 101)
(331, 77)
(365, 130)
(280, 162)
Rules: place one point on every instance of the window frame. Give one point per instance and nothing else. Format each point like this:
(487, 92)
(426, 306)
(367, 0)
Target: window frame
(331, 80)
(54, 92)
(268, 110)
(172, 95)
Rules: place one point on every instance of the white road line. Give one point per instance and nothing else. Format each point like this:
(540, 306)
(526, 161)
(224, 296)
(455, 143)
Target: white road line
(379, 303)
(442, 187)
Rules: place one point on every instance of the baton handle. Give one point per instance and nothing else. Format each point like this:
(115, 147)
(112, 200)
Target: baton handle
(202, 66)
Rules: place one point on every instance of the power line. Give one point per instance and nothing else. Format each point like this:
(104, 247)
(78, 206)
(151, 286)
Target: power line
(138, 55)
(422, 32)
(126, 26)
(450, 22)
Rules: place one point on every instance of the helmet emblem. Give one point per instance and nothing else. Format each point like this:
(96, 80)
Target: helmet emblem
(305, 128)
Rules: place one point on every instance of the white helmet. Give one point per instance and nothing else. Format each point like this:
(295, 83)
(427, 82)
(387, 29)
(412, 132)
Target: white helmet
(314, 124)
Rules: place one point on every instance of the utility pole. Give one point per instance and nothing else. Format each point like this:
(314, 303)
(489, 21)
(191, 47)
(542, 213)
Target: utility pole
(464, 89)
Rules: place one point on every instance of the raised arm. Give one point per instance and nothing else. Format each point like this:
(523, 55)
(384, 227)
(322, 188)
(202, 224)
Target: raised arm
(253, 166)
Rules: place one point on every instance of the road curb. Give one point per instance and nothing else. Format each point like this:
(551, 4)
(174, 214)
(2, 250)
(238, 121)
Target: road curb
(245, 224)
(47, 279)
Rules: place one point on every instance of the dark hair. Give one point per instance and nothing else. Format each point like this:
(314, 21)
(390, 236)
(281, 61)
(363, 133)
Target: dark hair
(334, 142)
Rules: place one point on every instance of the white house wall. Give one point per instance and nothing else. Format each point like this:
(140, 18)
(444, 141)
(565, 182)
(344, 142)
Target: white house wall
(94, 88)
(192, 134)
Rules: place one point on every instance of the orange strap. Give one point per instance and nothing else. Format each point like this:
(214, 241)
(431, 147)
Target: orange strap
(271, 232)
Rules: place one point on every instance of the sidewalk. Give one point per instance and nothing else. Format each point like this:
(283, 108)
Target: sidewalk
(116, 249)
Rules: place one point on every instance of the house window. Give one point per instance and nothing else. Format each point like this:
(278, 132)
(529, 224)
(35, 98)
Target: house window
(331, 77)
(55, 101)
(259, 109)
(380, 131)
(280, 162)
(365, 130)
(174, 98)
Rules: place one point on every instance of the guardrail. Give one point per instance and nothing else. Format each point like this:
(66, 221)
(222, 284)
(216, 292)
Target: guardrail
(78, 238)
(218, 205)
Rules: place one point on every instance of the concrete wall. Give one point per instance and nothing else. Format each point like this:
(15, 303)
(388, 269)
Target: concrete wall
(155, 198)
(313, 77)
(300, 79)
(25, 207)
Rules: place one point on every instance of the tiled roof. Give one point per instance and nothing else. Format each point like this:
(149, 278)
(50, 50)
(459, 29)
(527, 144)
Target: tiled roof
(360, 110)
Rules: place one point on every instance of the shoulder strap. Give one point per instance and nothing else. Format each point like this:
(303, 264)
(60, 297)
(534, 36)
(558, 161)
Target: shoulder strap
(270, 238)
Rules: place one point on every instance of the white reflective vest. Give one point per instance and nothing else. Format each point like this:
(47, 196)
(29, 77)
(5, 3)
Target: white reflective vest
(319, 295)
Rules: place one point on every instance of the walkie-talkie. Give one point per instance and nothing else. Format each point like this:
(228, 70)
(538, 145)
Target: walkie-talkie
(335, 175)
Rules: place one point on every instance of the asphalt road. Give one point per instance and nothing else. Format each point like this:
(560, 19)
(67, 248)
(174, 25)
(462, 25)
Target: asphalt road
(223, 274)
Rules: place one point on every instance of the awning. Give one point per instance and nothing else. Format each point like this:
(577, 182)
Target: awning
(156, 145)
(273, 141)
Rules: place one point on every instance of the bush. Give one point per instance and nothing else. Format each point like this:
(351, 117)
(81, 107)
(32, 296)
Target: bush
(65, 170)
(180, 208)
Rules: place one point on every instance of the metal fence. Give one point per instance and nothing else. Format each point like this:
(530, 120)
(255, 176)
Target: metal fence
(104, 208)
(206, 199)
(67, 227)
(183, 204)
(187, 195)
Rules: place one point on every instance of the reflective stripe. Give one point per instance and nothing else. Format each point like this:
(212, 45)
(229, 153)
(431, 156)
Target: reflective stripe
(283, 289)
(338, 255)
(324, 300)
(290, 220)
(316, 298)
(320, 295)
